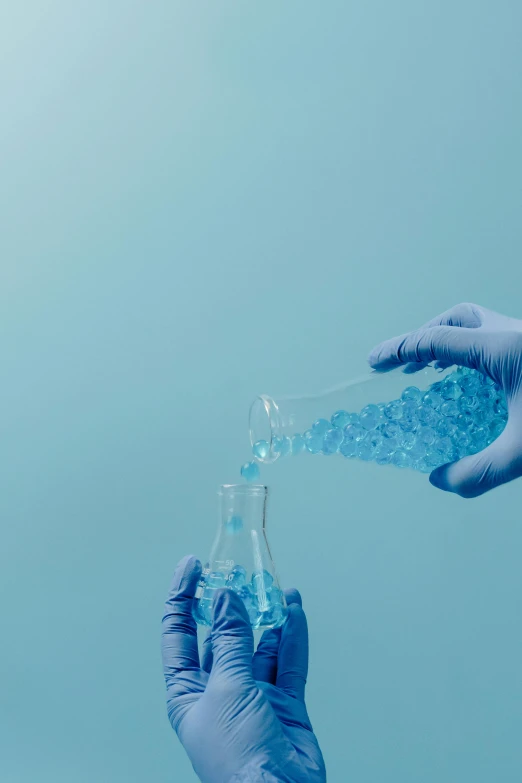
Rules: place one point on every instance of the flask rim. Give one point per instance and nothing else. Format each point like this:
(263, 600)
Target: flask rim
(248, 490)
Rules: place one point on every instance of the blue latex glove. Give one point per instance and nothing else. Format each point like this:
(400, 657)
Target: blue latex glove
(240, 716)
(473, 337)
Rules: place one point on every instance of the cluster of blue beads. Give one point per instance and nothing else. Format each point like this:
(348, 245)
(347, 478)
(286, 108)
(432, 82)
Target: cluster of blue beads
(263, 600)
(454, 418)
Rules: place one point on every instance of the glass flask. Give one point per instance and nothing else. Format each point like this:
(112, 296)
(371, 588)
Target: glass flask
(241, 560)
(418, 420)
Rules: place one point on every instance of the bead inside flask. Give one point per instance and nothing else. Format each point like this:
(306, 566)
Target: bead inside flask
(241, 560)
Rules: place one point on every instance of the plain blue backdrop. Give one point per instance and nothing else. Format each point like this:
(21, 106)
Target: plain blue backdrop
(205, 200)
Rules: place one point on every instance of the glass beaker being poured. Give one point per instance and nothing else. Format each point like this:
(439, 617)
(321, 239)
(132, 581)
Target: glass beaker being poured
(241, 560)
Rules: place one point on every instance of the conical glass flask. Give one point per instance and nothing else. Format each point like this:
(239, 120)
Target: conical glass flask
(241, 560)
(419, 419)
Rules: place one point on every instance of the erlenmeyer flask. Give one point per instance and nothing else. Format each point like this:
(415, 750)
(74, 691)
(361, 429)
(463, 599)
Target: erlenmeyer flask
(419, 419)
(240, 559)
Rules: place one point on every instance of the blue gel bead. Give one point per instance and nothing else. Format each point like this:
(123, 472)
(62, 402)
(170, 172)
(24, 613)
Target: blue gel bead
(313, 441)
(466, 403)
(341, 419)
(423, 466)
(250, 471)
(390, 429)
(320, 426)
(348, 448)
(496, 427)
(500, 408)
(408, 440)
(354, 432)
(298, 444)
(384, 453)
(427, 415)
(237, 578)
(483, 416)
(446, 427)
(401, 459)
(450, 389)
(412, 393)
(261, 449)
(216, 579)
(417, 450)
(426, 435)
(262, 580)
(332, 440)
(465, 420)
(370, 417)
(432, 459)
(393, 410)
(409, 408)
(442, 446)
(486, 396)
(234, 525)
(450, 408)
(354, 419)
(409, 423)
(367, 447)
(479, 438)
(469, 384)
(432, 399)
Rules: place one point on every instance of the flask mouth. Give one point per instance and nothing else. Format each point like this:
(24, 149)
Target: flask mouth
(246, 490)
(264, 422)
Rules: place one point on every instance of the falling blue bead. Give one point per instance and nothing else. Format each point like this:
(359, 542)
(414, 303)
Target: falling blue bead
(234, 525)
(250, 471)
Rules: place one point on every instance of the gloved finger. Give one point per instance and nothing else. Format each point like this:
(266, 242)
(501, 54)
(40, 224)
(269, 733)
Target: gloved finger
(439, 343)
(206, 655)
(464, 314)
(292, 662)
(179, 638)
(232, 640)
(264, 663)
(497, 464)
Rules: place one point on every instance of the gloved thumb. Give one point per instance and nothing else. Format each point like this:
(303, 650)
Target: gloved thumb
(232, 640)
(497, 464)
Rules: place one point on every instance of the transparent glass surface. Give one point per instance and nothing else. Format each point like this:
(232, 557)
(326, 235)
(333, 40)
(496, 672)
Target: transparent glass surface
(241, 560)
(418, 420)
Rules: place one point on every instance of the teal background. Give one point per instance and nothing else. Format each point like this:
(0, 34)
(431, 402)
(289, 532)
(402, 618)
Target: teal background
(201, 201)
